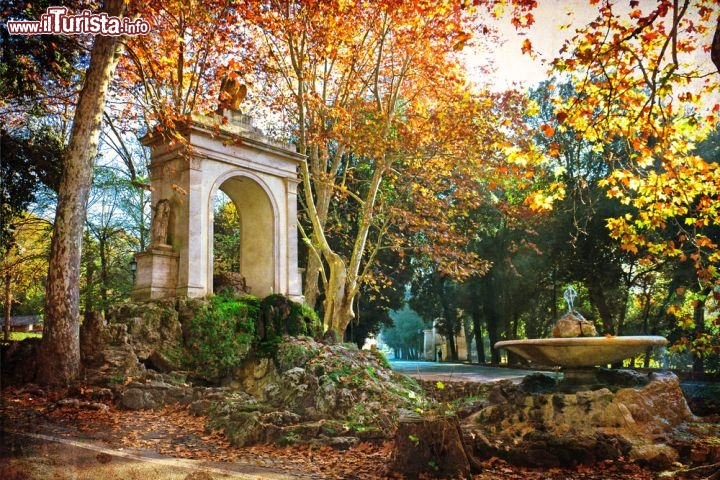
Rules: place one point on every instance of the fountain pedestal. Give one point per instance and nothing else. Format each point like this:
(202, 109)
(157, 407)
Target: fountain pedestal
(579, 376)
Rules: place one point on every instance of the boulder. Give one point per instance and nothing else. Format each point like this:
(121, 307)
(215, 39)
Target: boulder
(571, 325)
(162, 362)
(656, 457)
(151, 326)
(232, 283)
(155, 394)
(296, 391)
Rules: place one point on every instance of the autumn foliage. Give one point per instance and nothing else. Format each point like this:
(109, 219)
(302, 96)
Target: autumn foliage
(645, 95)
(376, 96)
(402, 147)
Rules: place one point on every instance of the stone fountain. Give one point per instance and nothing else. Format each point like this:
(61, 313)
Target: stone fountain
(576, 348)
(592, 414)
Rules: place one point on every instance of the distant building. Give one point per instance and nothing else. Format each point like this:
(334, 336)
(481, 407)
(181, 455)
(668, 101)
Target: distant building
(436, 346)
(24, 323)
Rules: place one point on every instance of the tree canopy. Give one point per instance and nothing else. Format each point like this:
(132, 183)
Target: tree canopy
(416, 172)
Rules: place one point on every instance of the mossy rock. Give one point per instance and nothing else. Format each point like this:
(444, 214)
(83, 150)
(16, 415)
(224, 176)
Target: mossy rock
(281, 316)
(294, 354)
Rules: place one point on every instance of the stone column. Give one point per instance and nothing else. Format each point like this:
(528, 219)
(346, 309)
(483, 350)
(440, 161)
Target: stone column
(193, 233)
(294, 279)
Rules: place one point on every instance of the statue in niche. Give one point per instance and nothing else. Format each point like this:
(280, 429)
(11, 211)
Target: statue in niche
(232, 92)
(159, 227)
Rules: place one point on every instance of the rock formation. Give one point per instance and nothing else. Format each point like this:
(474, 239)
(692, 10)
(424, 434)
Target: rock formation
(571, 325)
(551, 428)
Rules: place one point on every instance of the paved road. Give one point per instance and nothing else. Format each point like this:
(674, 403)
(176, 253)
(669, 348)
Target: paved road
(446, 371)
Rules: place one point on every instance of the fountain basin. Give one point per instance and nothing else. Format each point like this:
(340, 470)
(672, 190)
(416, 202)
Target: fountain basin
(575, 352)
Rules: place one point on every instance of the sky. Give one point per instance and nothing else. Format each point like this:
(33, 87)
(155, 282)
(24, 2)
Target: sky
(547, 38)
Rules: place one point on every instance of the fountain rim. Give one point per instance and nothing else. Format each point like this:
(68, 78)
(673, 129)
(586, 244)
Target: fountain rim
(589, 341)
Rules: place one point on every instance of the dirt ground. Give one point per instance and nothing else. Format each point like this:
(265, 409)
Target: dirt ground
(43, 436)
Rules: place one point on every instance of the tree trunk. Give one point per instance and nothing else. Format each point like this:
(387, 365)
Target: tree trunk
(336, 316)
(646, 295)
(104, 275)
(492, 321)
(345, 279)
(323, 195)
(311, 288)
(8, 306)
(492, 328)
(59, 354)
(597, 297)
(448, 315)
(699, 319)
(452, 347)
(477, 328)
(89, 274)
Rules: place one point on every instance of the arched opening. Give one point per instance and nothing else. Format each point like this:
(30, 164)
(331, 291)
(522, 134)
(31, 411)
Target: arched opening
(243, 234)
(226, 235)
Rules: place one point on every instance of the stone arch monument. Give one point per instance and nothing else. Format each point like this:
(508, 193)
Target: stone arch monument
(258, 174)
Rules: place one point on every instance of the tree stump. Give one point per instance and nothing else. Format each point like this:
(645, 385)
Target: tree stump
(431, 446)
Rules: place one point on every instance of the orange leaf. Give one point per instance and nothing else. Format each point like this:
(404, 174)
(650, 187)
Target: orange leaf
(526, 46)
(547, 130)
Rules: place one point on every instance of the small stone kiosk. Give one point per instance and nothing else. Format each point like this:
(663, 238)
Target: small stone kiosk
(258, 174)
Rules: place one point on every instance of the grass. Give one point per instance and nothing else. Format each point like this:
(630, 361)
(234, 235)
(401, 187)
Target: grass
(18, 336)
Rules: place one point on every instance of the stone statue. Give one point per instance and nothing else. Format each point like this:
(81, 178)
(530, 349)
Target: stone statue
(232, 92)
(160, 221)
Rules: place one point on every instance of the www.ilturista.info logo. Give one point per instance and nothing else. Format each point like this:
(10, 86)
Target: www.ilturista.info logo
(56, 21)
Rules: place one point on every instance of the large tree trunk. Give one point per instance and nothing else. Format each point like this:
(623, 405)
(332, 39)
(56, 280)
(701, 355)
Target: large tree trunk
(59, 355)
(338, 305)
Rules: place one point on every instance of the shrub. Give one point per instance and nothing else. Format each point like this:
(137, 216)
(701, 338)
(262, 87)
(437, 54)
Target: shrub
(225, 328)
(281, 316)
(221, 334)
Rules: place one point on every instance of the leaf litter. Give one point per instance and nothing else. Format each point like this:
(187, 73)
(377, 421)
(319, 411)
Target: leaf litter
(174, 432)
